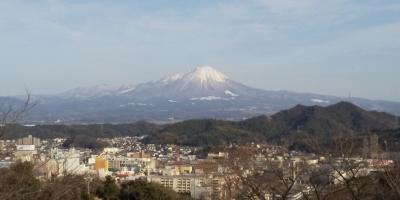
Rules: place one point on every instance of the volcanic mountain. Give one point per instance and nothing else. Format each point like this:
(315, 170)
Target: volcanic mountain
(204, 83)
(202, 93)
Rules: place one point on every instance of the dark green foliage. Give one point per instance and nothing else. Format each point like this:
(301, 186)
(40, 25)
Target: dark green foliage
(390, 139)
(339, 118)
(84, 142)
(301, 146)
(109, 190)
(93, 130)
(204, 133)
(284, 127)
(142, 190)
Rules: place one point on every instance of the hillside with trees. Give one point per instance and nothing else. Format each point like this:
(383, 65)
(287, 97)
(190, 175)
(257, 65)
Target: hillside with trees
(284, 127)
(287, 127)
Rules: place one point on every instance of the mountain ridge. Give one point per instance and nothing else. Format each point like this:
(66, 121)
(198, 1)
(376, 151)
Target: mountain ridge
(288, 127)
(315, 120)
(201, 93)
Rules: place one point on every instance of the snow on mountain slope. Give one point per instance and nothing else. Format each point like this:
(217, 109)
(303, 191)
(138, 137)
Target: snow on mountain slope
(171, 78)
(204, 81)
(203, 92)
(127, 90)
(209, 98)
(227, 92)
(205, 74)
(96, 91)
(319, 101)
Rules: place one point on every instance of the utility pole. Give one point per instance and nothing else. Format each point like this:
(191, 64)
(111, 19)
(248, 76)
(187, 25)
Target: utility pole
(88, 189)
(129, 192)
(194, 188)
(350, 97)
(386, 146)
(89, 179)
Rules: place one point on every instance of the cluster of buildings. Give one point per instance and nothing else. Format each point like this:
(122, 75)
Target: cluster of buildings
(183, 169)
(174, 167)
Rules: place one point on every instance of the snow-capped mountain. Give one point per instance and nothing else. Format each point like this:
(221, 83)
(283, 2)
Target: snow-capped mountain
(202, 93)
(201, 83)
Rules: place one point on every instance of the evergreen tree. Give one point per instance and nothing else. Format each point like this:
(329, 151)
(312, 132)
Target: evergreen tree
(142, 190)
(109, 190)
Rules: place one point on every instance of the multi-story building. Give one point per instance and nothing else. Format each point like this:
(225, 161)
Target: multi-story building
(112, 150)
(183, 185)
(167, 182)
(140, 154)
(133, 164)
(101, 164)
(217, 187)
(25, 153)
(198, 186)
(68, 161)
(29, 141)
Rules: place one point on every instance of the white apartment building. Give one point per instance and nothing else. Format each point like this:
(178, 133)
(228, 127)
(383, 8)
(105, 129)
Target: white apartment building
(136, 164)
(198, 186)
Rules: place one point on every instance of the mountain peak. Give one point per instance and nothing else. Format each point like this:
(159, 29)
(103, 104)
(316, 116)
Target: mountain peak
(171, 78)
(344, 105)
(206, 74)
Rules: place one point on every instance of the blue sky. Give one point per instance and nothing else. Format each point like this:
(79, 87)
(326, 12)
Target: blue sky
(328, 47)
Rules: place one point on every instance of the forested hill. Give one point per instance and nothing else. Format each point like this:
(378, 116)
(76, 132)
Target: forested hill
(93, 130)
(339, 118)
(343, 118)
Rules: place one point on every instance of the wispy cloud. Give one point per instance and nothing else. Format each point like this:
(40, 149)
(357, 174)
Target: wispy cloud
(146, 39)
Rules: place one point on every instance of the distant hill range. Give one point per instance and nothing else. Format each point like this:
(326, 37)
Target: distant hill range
(286, 127)
(202, 93)
(283, 127)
